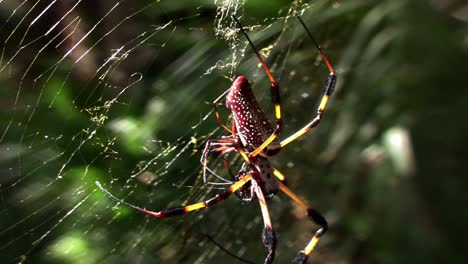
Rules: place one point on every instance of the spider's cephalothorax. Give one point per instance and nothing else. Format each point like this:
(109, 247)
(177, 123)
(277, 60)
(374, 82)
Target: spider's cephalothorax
(255, 139)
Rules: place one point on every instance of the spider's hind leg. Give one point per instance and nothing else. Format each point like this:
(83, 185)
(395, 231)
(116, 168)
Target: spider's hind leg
(313, 215)
(268, 234)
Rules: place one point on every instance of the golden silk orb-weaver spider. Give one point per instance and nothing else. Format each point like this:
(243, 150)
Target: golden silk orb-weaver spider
(255, 139)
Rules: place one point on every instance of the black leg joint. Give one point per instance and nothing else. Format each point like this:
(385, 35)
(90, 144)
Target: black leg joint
(300, 258)
(330, 84)
(269, 237)
(318, 219)
(269, 240)
(275, 93)
(316, 120)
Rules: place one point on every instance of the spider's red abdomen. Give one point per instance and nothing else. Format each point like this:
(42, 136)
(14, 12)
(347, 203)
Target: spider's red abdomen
(253, 127)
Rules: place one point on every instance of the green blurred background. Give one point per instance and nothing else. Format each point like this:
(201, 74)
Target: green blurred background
(385, 166)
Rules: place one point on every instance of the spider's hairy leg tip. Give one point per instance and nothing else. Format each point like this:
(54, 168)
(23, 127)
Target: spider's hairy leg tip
(269, 237)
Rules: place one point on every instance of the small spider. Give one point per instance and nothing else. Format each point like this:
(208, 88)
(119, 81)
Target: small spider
(256, 140)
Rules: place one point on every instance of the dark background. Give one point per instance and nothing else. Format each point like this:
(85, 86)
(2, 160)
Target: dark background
(386, 166)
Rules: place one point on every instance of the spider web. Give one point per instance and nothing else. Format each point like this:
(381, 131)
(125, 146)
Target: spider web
(120, 92)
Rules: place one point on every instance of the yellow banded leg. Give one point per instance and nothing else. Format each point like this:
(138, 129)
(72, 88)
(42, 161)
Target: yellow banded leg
(268, 235)
(186, 209)
(313, 215)
(327, 92)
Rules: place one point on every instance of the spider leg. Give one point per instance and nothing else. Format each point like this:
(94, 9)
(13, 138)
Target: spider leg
(225, 145)
(315, 216)
(185, 209)
(228, 168)
(327, 92)
(215, 106)
(274, 93)
(268, 234)
(329, 86)
(280, 176)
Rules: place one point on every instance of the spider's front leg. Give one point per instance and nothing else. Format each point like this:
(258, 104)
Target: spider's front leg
(327, 92)
(223, 146)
